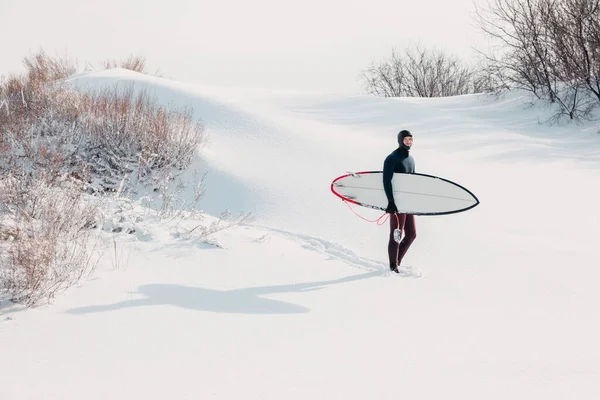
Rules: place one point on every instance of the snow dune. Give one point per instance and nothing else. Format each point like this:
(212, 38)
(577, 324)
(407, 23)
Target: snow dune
(497, 302)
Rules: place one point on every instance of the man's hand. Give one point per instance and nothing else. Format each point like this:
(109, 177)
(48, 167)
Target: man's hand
(391, 208)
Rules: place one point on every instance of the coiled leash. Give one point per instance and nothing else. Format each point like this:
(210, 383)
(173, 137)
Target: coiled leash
(385, 216)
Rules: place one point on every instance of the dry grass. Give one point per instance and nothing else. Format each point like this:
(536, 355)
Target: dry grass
(120, 121)
(133, 62)
(42, 68)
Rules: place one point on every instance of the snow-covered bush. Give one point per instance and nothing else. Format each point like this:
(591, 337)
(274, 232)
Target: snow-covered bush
(45, 234)
(57, 145)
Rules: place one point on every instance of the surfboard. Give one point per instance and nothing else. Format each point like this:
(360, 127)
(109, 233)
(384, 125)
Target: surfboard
(418, 194)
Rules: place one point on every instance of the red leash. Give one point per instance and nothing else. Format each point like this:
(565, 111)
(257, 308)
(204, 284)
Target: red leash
(380, 223)
(378, 220)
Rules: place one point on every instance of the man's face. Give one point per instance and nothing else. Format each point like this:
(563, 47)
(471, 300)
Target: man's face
(408, 141)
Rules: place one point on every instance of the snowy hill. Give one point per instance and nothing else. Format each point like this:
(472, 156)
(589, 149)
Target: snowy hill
(498, 302)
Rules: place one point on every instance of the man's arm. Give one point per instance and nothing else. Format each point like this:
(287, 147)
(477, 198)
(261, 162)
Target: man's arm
(388, 173)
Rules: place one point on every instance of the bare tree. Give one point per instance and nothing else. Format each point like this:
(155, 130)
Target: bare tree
(515, 25)
(419, 72)
(489, 78)
(387, 78)
(575, 34)
(547, 47)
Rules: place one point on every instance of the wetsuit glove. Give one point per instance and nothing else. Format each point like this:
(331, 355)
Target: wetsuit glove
(391, 208)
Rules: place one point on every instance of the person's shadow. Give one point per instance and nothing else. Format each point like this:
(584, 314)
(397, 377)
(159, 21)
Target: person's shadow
(244, 301)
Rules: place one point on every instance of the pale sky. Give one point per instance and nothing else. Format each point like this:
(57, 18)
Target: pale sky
(319, 45)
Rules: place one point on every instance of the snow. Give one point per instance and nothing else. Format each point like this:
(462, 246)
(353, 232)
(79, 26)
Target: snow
(498, 302)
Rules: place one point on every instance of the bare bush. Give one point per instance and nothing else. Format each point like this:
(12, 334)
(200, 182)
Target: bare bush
(126, 132)
(42, 68)
(57, 143)
(419, 72)
(515, 25)
(546, 47)
(225, 221)
(44, 235)
(488, 78)
(133, 62)
(172, 203)
(102, 136)
(575, 38)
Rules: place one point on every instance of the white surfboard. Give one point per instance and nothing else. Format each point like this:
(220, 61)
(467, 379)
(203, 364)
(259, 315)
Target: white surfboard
(417, 194)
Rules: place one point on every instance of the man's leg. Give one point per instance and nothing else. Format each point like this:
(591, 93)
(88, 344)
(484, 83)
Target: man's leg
(410, 234)
(396, 221)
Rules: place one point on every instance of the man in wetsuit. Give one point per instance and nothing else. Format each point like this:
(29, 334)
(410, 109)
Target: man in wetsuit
(399, 161)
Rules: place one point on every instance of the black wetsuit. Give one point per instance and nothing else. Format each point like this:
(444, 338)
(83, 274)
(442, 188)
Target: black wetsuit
(398, 161)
